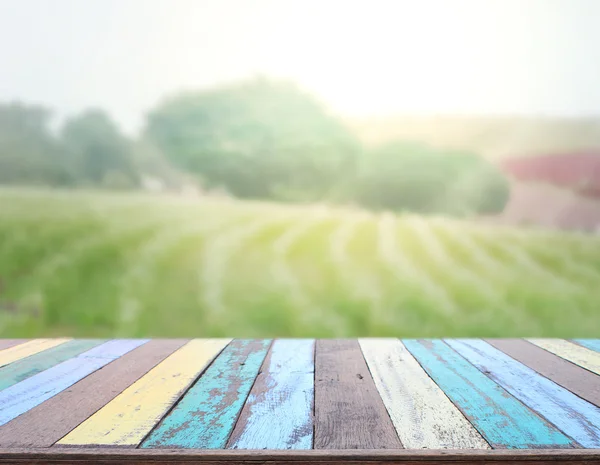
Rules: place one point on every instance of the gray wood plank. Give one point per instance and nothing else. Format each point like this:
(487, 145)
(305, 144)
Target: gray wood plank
(8, 343)
(349, 412)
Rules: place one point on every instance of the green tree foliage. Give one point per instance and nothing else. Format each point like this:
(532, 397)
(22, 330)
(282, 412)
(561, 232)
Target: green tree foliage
(100, 153)
(29, 154)
(258, 139)
(411, 177)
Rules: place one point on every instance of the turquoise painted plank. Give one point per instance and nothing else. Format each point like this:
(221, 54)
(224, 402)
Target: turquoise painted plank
(574, 416)
(23, 396)
(592, 344)
(278, 412)
(34, 364)
(206, 415)
(500, 418)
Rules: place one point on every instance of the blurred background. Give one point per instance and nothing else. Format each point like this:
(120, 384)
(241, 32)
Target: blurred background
(299, 168)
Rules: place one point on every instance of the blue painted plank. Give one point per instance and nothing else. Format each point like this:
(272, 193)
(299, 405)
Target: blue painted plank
(206, 415)
(592, 344)
(278, 412)
(574, 416)
(500, 418)
(34, 364)
(31, 392)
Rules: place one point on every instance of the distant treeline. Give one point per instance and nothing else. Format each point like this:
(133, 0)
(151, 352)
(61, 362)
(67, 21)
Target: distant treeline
(89, 150)
(258, 139)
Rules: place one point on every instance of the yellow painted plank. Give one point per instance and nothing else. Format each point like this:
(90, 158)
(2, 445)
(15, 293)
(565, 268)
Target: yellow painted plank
(12, 354)
(586, 358)
(128, 418)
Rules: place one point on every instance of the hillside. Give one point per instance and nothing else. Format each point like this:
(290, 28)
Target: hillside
(493, 137)
(99, 264)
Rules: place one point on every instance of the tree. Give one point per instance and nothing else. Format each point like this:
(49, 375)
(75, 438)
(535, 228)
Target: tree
(100, 153)
(29, 154)
(412, 177)
(258, 139)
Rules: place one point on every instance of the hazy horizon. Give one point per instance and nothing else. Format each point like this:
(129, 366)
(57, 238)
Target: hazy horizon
(378, 58)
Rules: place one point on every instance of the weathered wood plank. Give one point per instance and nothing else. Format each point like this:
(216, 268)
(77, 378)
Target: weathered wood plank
(349, 412)
(421, 413)
(17, 352)
(34, 364)
(74, 405)
(278, 412)
(6, 343)
(130, 416)
(572, 377)
(206, 415)
(27, 394)
(322, 457)
(574, 416)
(582, 356)
(499, 417)
(592, 344)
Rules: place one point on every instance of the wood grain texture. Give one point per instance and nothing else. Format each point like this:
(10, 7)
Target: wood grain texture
(77, 403)
(130, 416)
(421, 413)
(17, 352)
(278, 412)
(44, 424)
(338, 457)
(573, 415)
(498, 416)
(206, 415)
(6, 343)
(349, 413)
(34, 364)
(27, 394)
(592, 344)
(572, 377)
(582, 356)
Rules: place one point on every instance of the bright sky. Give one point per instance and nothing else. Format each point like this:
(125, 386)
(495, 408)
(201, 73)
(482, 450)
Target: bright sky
(362, 57)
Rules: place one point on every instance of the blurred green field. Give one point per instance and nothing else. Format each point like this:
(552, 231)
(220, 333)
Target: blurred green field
(99, 264)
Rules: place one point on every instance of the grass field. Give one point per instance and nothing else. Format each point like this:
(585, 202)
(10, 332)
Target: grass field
(94, 264)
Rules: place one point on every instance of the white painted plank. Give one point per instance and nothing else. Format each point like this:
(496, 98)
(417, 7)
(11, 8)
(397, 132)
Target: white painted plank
(421, 413)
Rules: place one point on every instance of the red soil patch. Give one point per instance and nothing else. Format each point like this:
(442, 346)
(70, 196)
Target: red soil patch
(549, 207)
(579, 172)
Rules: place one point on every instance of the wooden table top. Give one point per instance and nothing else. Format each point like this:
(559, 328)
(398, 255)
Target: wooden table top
(276, 401)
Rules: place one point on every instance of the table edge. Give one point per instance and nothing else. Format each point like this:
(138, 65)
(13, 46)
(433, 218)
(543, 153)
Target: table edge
(130, 455)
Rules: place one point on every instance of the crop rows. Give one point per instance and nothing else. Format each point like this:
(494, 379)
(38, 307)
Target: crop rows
(96, 264)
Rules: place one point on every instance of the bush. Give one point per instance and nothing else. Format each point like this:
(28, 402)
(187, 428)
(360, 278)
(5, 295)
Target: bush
(411, 177)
